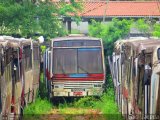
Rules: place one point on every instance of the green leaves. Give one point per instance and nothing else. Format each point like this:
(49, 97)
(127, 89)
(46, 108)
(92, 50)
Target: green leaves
(110, 32)
(156, 31)
(142, 26)
(26, 18)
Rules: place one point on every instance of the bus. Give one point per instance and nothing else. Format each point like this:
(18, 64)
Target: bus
(19, 75)
(135, 72)
(76, 66)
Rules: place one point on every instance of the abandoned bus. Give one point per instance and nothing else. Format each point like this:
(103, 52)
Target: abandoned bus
(19, 75)
(135, 72)
(77, 66)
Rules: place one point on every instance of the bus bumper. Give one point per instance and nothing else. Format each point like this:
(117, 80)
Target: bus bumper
(72, 92)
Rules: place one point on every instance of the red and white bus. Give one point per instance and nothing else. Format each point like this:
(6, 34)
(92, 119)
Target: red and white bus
(76, 66)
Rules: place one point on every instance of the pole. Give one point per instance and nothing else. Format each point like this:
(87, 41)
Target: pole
(104, 17)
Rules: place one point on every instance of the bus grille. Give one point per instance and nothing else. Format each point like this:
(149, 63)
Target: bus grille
(78, 84)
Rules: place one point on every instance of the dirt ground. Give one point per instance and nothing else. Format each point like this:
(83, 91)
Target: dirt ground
(73, 114)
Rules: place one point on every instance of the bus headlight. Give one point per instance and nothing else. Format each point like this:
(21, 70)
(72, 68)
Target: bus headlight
(59, 86)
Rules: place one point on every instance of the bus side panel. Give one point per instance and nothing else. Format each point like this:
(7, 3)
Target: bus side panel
(28, 74)
(36, 70)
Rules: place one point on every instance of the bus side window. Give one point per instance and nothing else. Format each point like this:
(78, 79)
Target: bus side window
(28, 57)
(118, 70)
(1, 67)
(16, 70)
(140, 87)
(36, 53)
(16, 66)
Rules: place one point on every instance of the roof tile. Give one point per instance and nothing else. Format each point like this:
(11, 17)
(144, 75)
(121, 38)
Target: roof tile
(120, 8)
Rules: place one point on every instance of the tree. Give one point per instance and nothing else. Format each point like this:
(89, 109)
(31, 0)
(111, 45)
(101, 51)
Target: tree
(28, 18)
(156, 30)
(110, 32)
(143, 26)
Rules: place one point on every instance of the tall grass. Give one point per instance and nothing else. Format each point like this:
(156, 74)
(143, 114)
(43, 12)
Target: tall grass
(105, 104)
(108, 106)
(36, 110)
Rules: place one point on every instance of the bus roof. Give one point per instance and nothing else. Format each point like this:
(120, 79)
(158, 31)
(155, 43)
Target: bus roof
(147, 45)
(18, 41)
(74, 38)
(14, 42)
(119, 43)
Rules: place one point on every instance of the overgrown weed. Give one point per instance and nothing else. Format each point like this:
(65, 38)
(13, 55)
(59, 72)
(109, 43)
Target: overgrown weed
(106, 104)
(36, 109)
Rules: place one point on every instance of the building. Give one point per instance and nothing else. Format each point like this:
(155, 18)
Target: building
(107, 10)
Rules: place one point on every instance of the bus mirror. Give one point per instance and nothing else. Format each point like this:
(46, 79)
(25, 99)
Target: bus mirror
(41, 39)
(158, 53)
(15, 68)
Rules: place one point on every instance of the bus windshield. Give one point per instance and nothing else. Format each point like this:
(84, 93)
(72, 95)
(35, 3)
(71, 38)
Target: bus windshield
(77, 60)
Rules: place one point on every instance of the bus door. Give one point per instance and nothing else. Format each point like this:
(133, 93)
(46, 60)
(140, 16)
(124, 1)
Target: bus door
(147, 80)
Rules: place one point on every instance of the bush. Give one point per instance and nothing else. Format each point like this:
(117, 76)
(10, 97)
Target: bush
(35, 110)
(110, 32)
(86, 102)
(106, 104)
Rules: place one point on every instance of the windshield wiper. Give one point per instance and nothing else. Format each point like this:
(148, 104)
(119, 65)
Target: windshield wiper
(63, 71)
(83, 69)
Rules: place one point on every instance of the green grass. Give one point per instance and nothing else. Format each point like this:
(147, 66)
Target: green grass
(105, 104)
(85, 102)
(36, 109)
(108, 106)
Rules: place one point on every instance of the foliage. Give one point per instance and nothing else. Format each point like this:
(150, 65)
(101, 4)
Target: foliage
(35, 110)
(109, 82)
(28, 19)
(110, 32)
(156, 31)
(143, 26)
(86, 102)
(42, 88)
(43, 48)
(106, 104)
(75, 31)
(109, 109)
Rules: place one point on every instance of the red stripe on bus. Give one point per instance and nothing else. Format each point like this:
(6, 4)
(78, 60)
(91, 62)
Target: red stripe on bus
(90, 77)
(66, 75)
(48, 74)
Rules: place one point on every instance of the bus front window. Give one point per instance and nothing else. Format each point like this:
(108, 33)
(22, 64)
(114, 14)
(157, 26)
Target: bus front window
(89, 60)
(65, 61)
(77, 60)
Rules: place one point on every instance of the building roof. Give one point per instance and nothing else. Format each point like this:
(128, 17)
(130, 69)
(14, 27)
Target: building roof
(121, 9)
